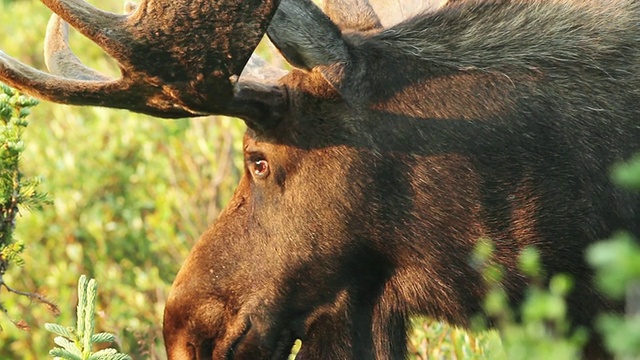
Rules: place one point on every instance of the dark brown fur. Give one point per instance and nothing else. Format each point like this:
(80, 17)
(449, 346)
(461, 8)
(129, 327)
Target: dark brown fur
(399, 150)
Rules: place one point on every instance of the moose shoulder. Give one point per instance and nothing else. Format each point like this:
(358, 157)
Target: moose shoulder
(375, 166)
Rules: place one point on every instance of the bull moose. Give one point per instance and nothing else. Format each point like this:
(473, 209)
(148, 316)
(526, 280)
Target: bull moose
(374, 167)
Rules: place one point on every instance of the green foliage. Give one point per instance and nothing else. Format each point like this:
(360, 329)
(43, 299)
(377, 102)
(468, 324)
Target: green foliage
(617, 262)
(628, 174)
(131, 194)
(542, 331)
(77, 343)
(621, 334)
(537, 330)
(617, 265)
(436, 340)
(15, 190)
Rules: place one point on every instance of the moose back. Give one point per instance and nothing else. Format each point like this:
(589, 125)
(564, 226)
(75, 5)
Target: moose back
(374, 167)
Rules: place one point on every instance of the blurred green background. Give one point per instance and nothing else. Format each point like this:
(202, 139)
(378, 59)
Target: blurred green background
(131, 195)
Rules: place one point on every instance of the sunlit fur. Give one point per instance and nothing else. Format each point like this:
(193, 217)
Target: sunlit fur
(400, 149)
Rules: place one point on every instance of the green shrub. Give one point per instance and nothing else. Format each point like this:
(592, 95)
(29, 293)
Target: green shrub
(16, 192)
(617, 265)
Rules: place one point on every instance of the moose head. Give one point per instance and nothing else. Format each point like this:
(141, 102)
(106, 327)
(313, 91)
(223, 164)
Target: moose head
(373, 168)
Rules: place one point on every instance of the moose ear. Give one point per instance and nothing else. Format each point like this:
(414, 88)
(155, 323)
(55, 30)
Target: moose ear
(308, 39)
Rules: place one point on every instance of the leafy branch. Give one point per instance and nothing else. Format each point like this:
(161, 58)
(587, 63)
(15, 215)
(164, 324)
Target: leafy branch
(76, 343)
(15, 191)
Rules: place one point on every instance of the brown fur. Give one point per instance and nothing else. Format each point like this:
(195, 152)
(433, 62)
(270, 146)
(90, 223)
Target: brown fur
(398, 151)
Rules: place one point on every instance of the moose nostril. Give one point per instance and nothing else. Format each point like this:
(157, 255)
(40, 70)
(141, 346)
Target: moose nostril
(191, 350)
(236, 342)
(203, 351)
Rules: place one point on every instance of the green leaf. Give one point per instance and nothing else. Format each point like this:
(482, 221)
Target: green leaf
(64, 354)
(109, 354)
(560, 285)
(496, 302)
(627, 174)
(60, 330)
(618, 263)
(621, 335)
(90, 313)
(67, 345)
(103, 354)
(103, 337)
(529, 262)
(82, 304)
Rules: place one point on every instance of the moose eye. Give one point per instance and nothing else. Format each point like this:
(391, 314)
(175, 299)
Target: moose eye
(260, 168)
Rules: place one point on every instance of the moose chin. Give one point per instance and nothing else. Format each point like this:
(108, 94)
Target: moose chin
(375, 166)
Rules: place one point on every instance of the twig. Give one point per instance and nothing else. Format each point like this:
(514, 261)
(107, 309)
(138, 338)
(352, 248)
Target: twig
(53, 308)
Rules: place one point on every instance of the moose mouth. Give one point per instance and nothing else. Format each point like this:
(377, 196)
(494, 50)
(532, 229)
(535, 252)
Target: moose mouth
(247, 342)
(235, 342)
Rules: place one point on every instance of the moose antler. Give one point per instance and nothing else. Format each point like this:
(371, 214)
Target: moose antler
(177, 58)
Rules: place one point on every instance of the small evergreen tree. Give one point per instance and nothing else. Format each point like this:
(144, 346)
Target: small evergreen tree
(77, 343)
(15, 190)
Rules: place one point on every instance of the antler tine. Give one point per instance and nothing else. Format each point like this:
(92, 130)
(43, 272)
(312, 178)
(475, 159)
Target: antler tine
(393, 12)
(102, 27)
(50, 87)
(115, 94)
(352, 14)
(367, 15)
(59, 58)
(93, 88)
(176, 56)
